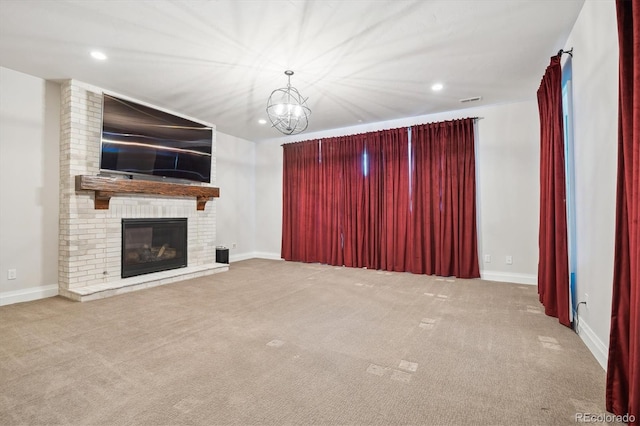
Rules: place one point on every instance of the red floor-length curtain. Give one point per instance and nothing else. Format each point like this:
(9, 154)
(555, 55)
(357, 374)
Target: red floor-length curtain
(300, 201)
(388, 177)
(553, 261)
(330, 205)
(443, 214)
(343, 200)
(623, 372)
(348, 201)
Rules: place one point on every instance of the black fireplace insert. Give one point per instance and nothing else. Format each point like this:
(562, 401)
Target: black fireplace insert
(153, 245)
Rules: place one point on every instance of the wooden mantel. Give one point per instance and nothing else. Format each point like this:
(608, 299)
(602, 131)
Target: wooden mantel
(106, 187)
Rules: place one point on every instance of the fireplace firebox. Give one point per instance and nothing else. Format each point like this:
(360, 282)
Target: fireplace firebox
(153, 245)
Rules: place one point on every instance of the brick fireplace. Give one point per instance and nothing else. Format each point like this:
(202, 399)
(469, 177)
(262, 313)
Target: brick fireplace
(90, 246)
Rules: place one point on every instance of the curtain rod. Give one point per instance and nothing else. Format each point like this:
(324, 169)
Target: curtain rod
(472, 118)
(570, 52)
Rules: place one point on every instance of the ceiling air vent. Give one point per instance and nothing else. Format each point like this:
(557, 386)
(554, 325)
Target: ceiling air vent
(475, 98)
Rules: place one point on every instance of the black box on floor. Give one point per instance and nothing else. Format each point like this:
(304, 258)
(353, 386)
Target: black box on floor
(222, 255)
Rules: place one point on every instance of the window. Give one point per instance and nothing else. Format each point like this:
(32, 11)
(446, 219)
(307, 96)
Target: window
(567, 113)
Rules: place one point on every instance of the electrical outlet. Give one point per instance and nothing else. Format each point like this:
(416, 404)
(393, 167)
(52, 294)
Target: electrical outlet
(487, 258)
(586, 299)
(11, 274)
(234, 245)
(509, 260)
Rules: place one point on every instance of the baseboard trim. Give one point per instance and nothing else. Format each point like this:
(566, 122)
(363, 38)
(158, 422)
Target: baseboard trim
(28, 294)
(241, 256)
(509, 277)
(486, 275)
(597, 347)
(254, 255)
(266, 255)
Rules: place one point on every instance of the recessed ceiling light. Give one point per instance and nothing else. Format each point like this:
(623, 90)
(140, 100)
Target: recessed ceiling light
(437, 87)
(98, 55)
(262, 121)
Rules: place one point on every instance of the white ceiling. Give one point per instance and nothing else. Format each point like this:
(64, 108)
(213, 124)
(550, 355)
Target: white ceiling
(357, 61)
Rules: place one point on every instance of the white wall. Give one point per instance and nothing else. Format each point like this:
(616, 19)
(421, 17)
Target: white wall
(507, 147)
(236, 209)
(268, 169)
(595, 97)
(29, 177)
(508, 162)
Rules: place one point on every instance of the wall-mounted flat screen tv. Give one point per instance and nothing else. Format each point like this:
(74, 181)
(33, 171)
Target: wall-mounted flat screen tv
(138, 140)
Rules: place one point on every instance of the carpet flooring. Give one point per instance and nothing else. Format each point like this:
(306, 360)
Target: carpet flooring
(284, 343)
